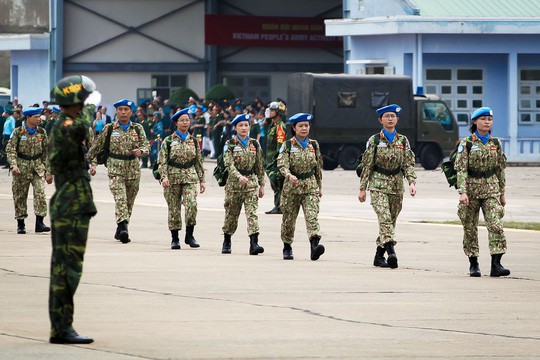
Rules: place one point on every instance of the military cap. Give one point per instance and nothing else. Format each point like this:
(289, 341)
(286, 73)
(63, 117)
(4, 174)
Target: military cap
(396, 109)
(296, 118)
(179, 113)
(483, 111)
(32, 111)
(241, 117)
(125, 102)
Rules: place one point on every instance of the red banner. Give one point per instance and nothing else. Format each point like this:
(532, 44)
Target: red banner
(234, 30)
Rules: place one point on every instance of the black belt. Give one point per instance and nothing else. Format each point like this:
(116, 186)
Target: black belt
(386, 171)
(122, 157)
(303, 176)
(482, 174)
(28, 157)
(180, 165)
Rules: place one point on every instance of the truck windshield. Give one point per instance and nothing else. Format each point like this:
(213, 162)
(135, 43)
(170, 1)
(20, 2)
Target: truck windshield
(437, 111)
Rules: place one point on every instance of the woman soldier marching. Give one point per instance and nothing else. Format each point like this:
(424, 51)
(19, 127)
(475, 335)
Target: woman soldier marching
(180, 166)
(388, 158)
(300, 162)
(244, 162)
(481, 181)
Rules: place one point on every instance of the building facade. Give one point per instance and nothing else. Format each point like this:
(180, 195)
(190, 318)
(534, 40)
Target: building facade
(472, 53)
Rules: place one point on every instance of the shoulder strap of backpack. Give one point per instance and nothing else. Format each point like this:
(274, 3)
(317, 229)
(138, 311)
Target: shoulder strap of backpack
(468, 144)
(107, 144)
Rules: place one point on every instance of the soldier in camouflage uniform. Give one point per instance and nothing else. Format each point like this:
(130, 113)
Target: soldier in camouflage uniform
(300, 163)
(72, 204)
(480, 164)
(274, 128)
(128, 143)
(244, 162)
(180, 166)
(387, 159)
(199, 122)
(27, 156)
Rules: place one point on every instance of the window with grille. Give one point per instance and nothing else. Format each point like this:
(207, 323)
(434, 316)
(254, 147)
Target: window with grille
(529, 96)
(461, 88)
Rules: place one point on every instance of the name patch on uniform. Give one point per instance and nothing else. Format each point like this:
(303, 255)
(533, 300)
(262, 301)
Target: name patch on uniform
(115, 133)
(237, 148)
(382, 144)
(294, 149)
(175, 142)
(475, 148)
(23, 137)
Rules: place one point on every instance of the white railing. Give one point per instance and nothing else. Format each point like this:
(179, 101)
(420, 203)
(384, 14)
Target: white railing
(528, 149)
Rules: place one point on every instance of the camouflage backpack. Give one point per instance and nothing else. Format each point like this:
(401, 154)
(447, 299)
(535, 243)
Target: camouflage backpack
(359, 165)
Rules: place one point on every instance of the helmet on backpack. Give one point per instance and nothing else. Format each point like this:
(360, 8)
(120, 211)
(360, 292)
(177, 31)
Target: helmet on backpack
(72, 90)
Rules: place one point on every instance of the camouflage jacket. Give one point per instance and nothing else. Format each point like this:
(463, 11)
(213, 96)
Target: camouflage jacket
(249, 158)
(28, 152)
(174, 154)
(122, 144)
(483, 158)
(294, 160)
(275, 137)
(68, 164)
(389, 156)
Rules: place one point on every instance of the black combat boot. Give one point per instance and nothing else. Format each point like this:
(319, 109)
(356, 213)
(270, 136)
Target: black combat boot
(496, 268)
(316, 249)
(474, 268)
(254, 248)
(392, 258)
(40, 226)
(226, 248)
(190, 240)
(175, 243)
(379, 259)
(21, 228)
(287, 252)
(122, 231)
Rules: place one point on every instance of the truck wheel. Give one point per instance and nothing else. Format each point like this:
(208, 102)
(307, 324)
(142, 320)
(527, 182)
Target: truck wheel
(348, 156)
(430, 157)
(329, 164)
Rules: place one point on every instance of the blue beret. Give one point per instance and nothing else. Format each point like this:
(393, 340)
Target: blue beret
(9, 110)
(203, 109)
(300, 117)
(54, 109)
(483, 111)
(180, 112)
(32, 111)
(125, 102)
(396, 109)
(166, 110)
(241, 117)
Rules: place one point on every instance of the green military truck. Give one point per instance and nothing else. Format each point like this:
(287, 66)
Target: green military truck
(344, 110)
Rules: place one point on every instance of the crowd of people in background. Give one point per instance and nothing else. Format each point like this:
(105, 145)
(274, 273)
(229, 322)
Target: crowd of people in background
(210, 122)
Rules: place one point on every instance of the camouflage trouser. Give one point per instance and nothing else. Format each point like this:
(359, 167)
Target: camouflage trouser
(387, 207)
(177, 195)
(233, 206)
(20, 186)
(124, 192)
(493, 213)
(290, 205)
(69, 236)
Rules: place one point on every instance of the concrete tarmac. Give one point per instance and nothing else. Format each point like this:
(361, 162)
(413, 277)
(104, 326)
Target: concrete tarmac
(144, 301)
